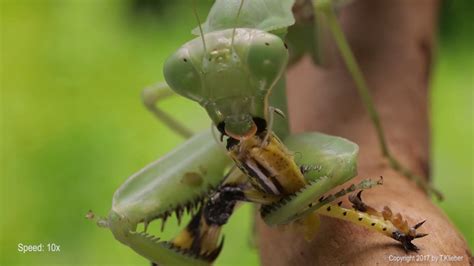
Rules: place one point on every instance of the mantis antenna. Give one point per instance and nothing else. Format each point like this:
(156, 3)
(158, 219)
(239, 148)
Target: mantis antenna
(236, 21)
(200, 27)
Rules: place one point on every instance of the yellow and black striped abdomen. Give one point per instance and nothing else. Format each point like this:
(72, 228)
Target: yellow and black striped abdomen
(270, 167)
(280, 164)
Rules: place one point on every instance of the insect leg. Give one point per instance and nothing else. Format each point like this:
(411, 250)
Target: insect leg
(326, 8)
(179, 181)
(393, 226)
(151, 96)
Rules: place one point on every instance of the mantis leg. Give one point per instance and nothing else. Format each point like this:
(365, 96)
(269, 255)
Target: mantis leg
(201, 235)
(336, 164)
(178, 182)
(326, 8)
(151, 96)
(336, 160)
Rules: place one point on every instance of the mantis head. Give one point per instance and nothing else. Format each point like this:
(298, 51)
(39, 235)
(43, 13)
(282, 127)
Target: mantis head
(231, 75)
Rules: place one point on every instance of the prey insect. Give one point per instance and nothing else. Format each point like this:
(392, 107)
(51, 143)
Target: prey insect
(231, 71)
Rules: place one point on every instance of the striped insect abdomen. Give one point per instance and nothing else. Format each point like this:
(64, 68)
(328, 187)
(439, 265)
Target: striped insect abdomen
(271, 168)
(280, 164)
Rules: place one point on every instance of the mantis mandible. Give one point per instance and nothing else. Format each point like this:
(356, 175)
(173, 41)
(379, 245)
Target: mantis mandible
(230, 70)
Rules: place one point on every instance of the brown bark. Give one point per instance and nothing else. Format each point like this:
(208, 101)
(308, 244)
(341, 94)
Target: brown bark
(393, 41)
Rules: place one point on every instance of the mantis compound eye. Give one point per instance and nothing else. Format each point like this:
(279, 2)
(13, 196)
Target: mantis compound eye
(182, 76)
(267, 58)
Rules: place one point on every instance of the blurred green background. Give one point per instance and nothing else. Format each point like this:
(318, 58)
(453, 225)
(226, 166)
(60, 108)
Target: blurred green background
(73, 127)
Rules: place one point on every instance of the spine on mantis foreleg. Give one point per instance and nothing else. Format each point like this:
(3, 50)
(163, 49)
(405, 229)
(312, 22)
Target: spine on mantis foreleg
(201, 235)
(305, 201)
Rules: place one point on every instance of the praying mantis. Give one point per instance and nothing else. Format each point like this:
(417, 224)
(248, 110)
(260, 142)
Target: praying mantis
(235, 71)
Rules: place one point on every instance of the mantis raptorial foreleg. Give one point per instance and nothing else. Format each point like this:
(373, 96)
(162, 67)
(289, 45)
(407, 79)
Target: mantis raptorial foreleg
(326, 8)
(180, 181)
(230, 72)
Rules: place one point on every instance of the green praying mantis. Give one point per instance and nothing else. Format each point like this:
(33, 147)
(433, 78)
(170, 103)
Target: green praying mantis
(235, 71)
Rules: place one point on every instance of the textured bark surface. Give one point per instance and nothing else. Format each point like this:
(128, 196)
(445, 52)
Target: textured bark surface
(393, 41)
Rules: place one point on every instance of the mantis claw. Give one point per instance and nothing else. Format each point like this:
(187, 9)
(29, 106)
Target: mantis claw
(167, 188)
(327, 151)
(155, 249)
(303, 202)
(166, 252)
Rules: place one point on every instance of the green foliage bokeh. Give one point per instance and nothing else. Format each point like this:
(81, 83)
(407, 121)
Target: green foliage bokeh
(73, 127)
